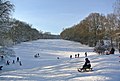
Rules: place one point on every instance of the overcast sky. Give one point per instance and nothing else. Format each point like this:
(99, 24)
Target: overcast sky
(54, 15)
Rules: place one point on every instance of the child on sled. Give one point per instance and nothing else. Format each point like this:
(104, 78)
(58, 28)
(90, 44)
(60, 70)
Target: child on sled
(87, 64)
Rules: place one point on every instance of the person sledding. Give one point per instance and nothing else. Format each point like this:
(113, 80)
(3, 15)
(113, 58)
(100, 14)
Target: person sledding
(86, 66)
(36, 55)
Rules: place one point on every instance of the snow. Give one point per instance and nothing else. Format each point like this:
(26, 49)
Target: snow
(48, 68)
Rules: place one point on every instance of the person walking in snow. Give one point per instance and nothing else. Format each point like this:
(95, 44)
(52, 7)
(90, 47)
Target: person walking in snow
(85, 54)
(20, 63)
(2, 57)
(8, 63)
(87, 64)
(58, 57)
(18, 59)
(70, 56)
(78, 55)
(75, 55)
(13, 62)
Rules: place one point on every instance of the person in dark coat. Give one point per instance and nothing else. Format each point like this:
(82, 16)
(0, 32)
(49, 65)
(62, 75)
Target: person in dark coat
(78, 55)
(20, 63)
(85, 54)
(87, 64)
(18, 59)
(13, 62)
(70, 56)
(2, 57)
(112, 50)
(75, 56)
(8, 63)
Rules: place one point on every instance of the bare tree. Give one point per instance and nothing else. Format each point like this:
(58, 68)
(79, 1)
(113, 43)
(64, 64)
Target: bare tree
(111, 26)
(96, 26)
(117, 11)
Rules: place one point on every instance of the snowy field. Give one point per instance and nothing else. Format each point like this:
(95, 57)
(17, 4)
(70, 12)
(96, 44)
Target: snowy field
(48, 68)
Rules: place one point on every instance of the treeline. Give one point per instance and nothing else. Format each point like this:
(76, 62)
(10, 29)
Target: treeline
(13, 31)
(18, 31)
(93, 28)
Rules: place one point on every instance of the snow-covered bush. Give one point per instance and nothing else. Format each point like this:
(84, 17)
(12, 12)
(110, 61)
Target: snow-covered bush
(101, 47)
(4, 51)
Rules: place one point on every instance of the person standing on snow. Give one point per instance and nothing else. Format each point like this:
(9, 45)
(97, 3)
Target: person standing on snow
(85, 54)
(70, 56)
(112, 50)
(20, 63)
(17, 59)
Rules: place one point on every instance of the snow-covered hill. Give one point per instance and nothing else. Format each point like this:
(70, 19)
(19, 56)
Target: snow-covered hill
(48, 68)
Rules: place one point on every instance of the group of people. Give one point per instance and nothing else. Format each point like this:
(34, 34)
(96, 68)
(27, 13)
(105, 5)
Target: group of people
(37, 55)
(13, 62)
(112, 51)
(76, 56)
(87, 61)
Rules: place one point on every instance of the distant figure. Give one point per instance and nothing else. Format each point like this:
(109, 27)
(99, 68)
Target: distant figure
(2, 57)
(1, 67)
(85, 54)
(36, 55)
(78, 55)
(58, 58)
(13, 62)
(18, 59)
(8, 63)
(70, 56)
(112, 50)
(87, 64)
(20, 63)
(75, 56)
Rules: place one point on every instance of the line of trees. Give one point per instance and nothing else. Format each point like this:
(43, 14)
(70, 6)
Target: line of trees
(16, 31)
(95, 27)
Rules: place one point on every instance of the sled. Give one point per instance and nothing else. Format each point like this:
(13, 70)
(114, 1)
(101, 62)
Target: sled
(85, 69)
(1, 67)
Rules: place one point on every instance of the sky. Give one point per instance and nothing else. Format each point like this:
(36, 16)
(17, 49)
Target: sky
(55, 15)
